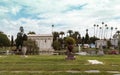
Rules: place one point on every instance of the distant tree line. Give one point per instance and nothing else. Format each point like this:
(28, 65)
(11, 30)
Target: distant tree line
(4, 41)
(60, 43)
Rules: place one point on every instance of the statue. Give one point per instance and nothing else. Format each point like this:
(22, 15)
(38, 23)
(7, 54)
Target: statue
(21, 37)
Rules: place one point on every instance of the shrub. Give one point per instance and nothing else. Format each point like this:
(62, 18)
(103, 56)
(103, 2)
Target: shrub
(70, 41)
(56, 45)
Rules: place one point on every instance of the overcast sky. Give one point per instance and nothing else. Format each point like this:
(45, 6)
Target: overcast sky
(39, 15)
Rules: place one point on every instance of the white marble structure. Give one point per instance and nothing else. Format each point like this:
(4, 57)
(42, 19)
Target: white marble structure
(100, 43)
(44, 42)
(114, 41)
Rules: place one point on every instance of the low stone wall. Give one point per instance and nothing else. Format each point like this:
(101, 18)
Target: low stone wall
(50, 52)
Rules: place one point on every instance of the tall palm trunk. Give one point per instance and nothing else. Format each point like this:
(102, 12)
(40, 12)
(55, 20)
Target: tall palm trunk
(97, 31)
(111, 32)
(94, 29)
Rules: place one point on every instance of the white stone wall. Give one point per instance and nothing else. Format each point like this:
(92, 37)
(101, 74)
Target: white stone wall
(114, 42)
(44, 42)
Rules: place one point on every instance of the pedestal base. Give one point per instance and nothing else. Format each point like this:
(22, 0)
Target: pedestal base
(70, 57)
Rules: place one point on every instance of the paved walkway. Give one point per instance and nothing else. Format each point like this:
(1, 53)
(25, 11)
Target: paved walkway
(69, 71)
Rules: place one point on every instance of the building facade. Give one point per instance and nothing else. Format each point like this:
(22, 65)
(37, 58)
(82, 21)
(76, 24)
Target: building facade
(99, 43)
(44, 42)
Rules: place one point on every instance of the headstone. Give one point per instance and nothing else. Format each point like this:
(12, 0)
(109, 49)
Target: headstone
(81, 52)
(7, 52)
(93, 52)
(24, 50)
(100, 51)
(79, 48)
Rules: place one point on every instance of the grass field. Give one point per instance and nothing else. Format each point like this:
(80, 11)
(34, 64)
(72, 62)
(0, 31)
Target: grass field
(57, 65)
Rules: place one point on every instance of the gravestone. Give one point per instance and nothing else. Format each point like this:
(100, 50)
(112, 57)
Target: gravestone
(93, 52)
(81, 52)
(7, 52)
(79, 48)
(100, 51)
(24, 50)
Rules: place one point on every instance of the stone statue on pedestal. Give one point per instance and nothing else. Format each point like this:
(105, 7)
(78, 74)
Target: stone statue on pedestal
(21, 37)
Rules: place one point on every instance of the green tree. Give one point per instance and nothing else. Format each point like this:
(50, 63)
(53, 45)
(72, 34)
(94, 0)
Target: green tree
(87, 39)
(4, 41)
(31, 32)
(93, 39)
(109, 44)
(70, 41)
(12, 40)
(62, 39)
(56, 45)
(79, 39)
(55, 36)
(32, 47)
(70, 32)
(70, 44)
(83, 41)
(62, 33)
(75, 36)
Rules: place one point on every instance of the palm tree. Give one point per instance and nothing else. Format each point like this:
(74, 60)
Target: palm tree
(116, 29)
(102, 22)
(100, 33)
(31, 32)
(118, 32)
(70, 32)
(102, 30)
(97, 30)
(12, 41)
(87, 41)
(75, 36)
(111, 32)
(94, 29)
(86, 30)
(55, 36)
(62, 39)
(105, 31)
(52, 28)
(62, 33)
(76, 33)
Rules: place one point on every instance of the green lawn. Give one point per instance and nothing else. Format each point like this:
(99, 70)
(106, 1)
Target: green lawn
(57, 65)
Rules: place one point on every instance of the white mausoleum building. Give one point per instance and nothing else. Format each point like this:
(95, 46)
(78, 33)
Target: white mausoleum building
(115, 39)
(100, 43)
(44, 42)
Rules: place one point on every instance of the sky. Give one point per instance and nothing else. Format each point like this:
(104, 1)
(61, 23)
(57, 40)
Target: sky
(40, 15)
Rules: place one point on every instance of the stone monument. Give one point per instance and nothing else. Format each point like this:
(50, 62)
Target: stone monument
(81, 52)
(100, 51)
(24, 50)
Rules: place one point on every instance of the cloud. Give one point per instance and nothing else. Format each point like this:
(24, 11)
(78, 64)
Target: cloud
(39, 15)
